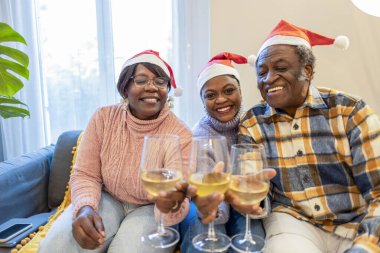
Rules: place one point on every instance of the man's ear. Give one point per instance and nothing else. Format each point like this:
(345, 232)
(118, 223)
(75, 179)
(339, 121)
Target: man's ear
(309, 72)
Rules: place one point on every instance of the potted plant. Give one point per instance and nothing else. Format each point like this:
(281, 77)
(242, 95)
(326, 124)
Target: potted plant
(16, 62)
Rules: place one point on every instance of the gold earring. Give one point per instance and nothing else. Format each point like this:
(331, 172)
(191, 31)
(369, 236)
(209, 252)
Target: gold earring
(124, 102)
(170, 102)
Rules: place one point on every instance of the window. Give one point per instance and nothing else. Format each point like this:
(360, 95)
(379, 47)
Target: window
(76, 49)
(83, 45)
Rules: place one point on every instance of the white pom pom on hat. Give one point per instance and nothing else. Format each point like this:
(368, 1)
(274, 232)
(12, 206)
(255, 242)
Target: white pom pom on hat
(153, 57)
(342, 42)
(178, 91)
(286, 33)
(219, 65)
(252, 60)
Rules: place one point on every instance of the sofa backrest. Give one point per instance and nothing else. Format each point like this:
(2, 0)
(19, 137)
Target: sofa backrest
(24, 183)
(60, 167)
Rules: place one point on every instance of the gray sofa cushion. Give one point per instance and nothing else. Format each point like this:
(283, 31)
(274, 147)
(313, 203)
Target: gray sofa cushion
(23, 184)
(60, 168)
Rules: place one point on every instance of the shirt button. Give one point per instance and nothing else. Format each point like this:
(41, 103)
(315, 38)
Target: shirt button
(295, 127)
(299, 152)
(317, 207)
(306, 179)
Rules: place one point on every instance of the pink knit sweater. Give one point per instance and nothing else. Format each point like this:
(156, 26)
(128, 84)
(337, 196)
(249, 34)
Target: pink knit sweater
(109, 156)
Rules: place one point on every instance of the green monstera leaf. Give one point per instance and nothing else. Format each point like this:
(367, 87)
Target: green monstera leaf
(12, 61)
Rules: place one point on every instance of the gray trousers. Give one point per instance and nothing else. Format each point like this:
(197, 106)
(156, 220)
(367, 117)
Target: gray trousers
(288, 234)
(124, 224)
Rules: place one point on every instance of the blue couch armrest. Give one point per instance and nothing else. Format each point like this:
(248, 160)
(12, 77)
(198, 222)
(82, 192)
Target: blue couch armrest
(24, 184)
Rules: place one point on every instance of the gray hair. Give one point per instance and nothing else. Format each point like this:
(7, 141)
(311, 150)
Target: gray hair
(306, 56)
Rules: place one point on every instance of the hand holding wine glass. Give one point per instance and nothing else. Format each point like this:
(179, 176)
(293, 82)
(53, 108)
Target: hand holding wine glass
(249, 185)
(252, 210)
(207, 205)
(210, 173)
(171, 201)
(161, 171)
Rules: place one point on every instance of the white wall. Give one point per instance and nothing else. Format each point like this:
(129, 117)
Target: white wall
(240, 26)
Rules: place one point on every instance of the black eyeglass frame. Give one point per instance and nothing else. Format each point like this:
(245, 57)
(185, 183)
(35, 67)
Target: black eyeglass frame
(156, 81)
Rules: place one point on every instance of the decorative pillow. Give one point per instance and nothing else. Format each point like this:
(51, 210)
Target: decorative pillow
(60, 167)
(31, 243)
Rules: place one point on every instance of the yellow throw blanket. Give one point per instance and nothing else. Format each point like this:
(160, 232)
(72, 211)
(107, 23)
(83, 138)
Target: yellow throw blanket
(32, 242)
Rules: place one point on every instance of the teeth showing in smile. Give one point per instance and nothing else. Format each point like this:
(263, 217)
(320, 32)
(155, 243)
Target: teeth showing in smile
(275, 89)
(150, 100)
(224, 109)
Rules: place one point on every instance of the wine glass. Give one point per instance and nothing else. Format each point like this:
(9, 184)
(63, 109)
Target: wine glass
(251, 186)
(160, 170)
(210, 172)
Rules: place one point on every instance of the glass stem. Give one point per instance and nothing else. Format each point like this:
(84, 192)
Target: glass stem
(161, 228)
(211, 231)
(248, 234)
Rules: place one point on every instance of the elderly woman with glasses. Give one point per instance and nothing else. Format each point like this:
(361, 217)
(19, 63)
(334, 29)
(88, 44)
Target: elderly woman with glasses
(110, 210)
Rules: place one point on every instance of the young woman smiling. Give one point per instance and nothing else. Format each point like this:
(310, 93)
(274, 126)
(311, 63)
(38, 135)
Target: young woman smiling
(219, 89)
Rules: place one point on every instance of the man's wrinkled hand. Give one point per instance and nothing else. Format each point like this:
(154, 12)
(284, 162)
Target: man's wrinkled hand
(264, 175)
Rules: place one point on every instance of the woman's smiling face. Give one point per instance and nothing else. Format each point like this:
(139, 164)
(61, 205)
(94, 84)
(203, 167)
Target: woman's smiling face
(221, 97)
(147, 101)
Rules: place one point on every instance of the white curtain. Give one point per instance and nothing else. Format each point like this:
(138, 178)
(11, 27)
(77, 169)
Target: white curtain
(24, 135)
(191, 52)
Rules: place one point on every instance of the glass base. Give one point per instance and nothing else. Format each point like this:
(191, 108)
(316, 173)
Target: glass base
(159, 240)
(240, 244)
(219, 243)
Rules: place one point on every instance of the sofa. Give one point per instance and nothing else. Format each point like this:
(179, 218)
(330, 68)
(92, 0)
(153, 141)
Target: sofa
(33, 189)
(33, 185)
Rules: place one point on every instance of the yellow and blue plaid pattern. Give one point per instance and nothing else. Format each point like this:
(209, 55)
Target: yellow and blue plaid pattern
(327, 160)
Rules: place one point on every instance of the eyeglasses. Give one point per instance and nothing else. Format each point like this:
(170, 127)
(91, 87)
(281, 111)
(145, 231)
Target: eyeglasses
(159, 82)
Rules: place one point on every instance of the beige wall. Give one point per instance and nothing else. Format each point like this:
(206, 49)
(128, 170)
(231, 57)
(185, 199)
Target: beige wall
(240, 26)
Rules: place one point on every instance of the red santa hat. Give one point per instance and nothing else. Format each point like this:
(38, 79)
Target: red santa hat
(289, 34)
(220, 65)
(153, 57)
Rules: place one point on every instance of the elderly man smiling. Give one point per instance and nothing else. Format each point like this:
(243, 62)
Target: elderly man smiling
(324, 145)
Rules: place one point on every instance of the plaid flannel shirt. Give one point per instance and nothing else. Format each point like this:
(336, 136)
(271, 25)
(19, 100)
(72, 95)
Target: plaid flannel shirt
(327, 160)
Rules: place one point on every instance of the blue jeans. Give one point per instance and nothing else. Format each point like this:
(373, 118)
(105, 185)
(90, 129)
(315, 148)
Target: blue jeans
(192, 226)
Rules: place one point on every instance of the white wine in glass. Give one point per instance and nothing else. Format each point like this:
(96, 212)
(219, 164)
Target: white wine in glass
(158, 180)
(210, 172)
(250, 184)
(160, 170)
